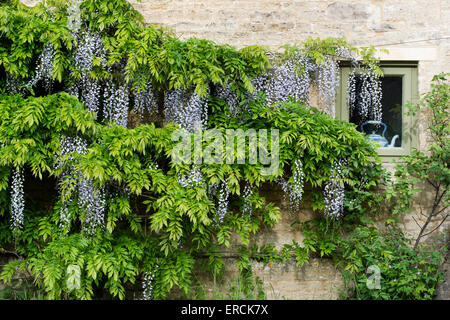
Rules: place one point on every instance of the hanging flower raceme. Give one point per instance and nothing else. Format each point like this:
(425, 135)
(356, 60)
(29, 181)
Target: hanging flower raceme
(187, 109)
(90, 199)
(85, 88)
(14, 85)
(64, 217)
(74, 17)
(346, 54)
(193, 179)
(44, 68)
(290, 79)
(247, 206)
(223, 200)
(364, 94)
(334, 191)
(145, 100)
(93, 202)
(230, 97)
(212, 190)
(88, 46)
(294, 190)
(260, 82)
(116, 103)
(328, 82)
(17, 199)
(147, 284)
(70, 146)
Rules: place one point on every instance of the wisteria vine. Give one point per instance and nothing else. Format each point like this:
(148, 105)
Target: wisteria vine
(116, 103)
(223, 195)
(17, 199)
(334, 191)
(294, 190)
(193, 179)
(44, 68)
(147, 284)
(364, 94)
(87, 89)
(186, 108)
(93, 201)
(70, 146)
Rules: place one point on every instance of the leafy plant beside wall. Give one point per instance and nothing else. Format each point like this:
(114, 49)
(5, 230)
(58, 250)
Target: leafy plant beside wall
(420, 170)
(76, 79)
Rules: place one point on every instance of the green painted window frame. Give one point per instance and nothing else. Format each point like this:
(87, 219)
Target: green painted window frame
(408, 72)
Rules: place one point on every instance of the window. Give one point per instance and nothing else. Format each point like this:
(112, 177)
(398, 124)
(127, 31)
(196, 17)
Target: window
(397, 132)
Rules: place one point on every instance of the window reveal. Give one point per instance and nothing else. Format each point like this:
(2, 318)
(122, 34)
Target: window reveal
(390, 126)
(397, 86)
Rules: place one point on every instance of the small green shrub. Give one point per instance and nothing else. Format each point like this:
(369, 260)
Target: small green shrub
(405, 273)
(421, 171)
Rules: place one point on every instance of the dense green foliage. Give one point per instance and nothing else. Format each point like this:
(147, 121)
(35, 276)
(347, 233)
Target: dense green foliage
(31, 128)
(366, 253)
(150, 51)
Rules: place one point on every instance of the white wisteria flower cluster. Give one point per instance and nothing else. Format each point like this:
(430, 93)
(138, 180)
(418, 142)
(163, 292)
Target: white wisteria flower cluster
(186, 108)
(364, 94)
(346, 54)
(247, 206)
(147, 284)
(334, 191)
(230, 97)
(223, 201)
(17, 199)
(145, 100)
(88, 90)
(116, 103)
(70, 146)
(292, 79)
(64, 217)
(93, 201)
(13, 85)
(44, 68)
(90, 199)
(328, 81)
(294, 191)
(193, 179)
(74, 16)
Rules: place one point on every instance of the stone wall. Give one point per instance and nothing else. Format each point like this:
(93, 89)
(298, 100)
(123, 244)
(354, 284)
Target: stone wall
(414, 30)
(404, 26)
(318, 279)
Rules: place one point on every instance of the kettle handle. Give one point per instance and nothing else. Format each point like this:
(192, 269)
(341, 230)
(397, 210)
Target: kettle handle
(374, 122)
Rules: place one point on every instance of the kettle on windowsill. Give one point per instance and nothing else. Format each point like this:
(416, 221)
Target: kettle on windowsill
(376, 138)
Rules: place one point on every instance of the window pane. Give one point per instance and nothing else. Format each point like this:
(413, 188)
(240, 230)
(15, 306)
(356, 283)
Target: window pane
(391, 113)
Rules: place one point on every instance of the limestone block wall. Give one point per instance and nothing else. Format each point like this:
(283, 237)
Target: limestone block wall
(317, 280)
